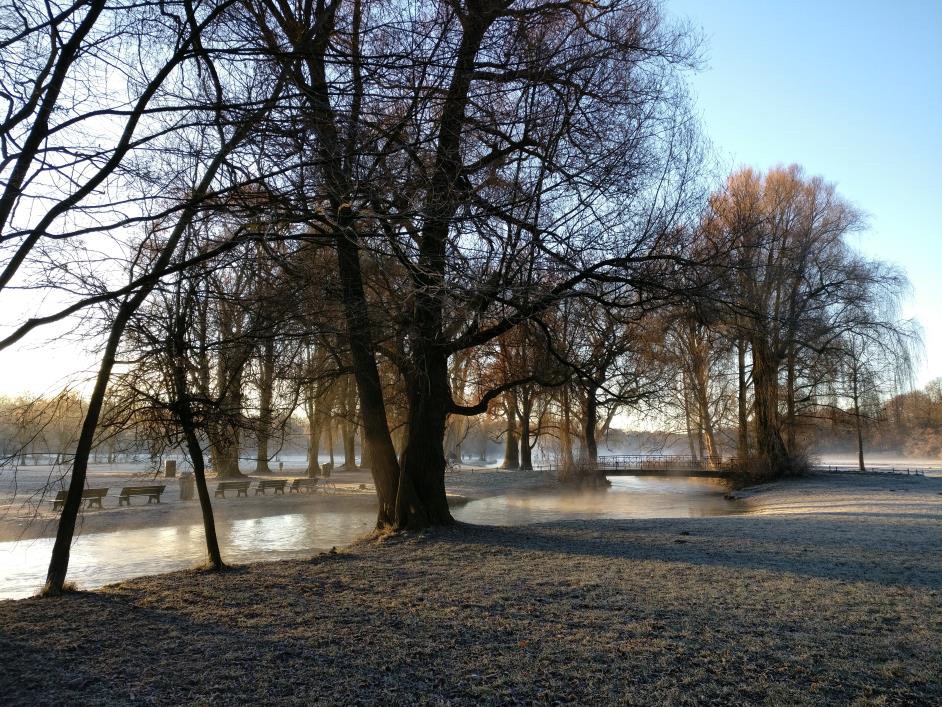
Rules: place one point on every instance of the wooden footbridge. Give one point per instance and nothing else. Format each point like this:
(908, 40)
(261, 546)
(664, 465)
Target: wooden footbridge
(663, 465)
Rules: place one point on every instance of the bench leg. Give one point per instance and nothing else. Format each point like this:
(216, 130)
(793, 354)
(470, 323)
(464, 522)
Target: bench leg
(243, 492)
(124, 499)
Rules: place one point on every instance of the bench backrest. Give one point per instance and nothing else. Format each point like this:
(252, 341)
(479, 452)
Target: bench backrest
(272, 482)
(234, 484)
(141, 490)
(86, 493)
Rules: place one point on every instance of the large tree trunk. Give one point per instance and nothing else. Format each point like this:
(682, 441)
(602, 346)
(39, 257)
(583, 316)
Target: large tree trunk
(511, 448)
(421, 500)
(590, 421)
(526, 451)
(313, 449)
(266, 382)
(314, 432)
(742, 439)
(699, 384)
(768, 425)
(348, 430)
(224, 450)
(711, 453)
(693, 440)
(384, 466)
(365, 462)
(790, 382)
(565, 432)
(857, 421)
(330, 442)
(225, 433)
(348, 433)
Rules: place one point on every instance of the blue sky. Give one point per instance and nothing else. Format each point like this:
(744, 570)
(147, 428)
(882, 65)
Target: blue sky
(852, 91)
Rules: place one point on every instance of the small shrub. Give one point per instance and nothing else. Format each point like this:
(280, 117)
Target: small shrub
(67, 588)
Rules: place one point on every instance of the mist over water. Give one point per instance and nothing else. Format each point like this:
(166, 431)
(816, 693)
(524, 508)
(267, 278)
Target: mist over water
(103, 558)
(628, 497)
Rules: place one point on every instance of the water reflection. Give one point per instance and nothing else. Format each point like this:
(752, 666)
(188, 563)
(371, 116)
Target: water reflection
(628, 497)
(103, 558)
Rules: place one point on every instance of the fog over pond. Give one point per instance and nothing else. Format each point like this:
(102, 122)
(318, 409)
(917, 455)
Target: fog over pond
(100, 558)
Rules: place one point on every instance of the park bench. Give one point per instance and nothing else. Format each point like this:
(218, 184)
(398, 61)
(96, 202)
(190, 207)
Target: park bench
(275, 484)
(308, 484)
(152, 493)
(92, 497)
(240, 487)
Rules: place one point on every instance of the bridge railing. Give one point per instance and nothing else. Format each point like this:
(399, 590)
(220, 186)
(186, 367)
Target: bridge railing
(680, 462)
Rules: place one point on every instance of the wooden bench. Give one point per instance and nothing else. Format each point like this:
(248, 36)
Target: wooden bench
(152, 493)
(91, 497)
(308, 485)
(275, 484)
(240, 487)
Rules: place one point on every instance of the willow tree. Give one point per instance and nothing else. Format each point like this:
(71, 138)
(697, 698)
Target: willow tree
(791, 287)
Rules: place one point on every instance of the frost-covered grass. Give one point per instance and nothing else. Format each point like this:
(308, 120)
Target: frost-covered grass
(800, 607)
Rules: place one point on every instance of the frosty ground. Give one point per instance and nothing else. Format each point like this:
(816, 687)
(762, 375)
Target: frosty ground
(831, 592)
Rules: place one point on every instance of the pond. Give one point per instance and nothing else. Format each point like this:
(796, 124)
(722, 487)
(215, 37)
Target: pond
(103, 558)
(628, 497)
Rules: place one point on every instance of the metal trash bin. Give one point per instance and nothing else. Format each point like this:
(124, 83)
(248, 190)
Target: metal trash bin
(187, 486)
(170, 468)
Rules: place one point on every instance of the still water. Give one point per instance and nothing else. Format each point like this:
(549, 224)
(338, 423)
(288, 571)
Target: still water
(103, 558)
(628, 497)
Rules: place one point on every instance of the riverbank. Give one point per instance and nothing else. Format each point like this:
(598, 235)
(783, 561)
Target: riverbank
(827, 603)
(26, 511)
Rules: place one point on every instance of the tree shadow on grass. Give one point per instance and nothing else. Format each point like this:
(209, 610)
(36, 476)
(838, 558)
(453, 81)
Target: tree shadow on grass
(868, 549)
